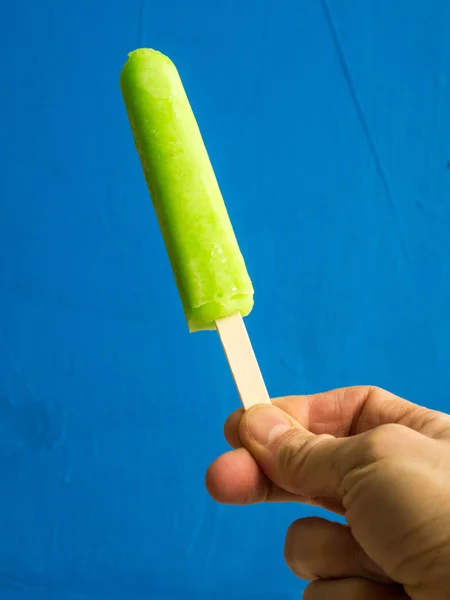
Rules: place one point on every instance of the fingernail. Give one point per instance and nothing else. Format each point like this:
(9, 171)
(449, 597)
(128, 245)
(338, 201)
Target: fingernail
(264, 424)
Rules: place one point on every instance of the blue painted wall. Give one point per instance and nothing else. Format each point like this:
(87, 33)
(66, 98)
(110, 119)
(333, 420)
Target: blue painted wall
(328, 124)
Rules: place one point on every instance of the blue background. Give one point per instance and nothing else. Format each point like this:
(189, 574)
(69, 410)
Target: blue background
(328, 124)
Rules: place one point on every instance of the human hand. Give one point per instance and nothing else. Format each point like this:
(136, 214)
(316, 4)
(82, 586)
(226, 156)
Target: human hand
(361, 452)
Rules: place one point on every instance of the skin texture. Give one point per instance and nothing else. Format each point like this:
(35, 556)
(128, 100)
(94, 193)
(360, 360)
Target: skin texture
(361, 452)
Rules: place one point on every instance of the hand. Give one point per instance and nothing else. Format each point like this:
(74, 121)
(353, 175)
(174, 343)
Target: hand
(361, 452)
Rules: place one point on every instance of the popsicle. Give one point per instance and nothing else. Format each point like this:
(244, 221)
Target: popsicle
(215, 289)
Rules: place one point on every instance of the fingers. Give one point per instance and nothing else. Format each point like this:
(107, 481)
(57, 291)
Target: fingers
(320, 549)
(236, 478)
(341, 413)
(349, 411)
(311, 468)
(353, 589)
(292, 457)
(335, 412)
(316, 465)
(296, 406)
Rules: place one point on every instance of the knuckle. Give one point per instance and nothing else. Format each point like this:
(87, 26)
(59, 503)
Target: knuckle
(295, 552)
(380, 443)
(309, 544)
(313, 591)
(290, 546)
(297, 546)
(293, 457)
(299, 529)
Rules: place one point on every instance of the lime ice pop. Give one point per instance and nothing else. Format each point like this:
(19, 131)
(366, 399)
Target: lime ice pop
(214, 286)
(209, 269)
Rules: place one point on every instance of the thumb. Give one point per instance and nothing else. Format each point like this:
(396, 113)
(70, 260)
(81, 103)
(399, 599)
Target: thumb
(290, 455)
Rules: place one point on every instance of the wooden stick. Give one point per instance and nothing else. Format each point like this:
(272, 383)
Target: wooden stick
(242, 360)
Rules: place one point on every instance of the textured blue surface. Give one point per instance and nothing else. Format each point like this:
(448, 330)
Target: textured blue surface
(328, 124)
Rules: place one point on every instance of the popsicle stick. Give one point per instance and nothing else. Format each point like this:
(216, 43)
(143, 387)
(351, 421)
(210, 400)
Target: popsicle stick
(242, 360)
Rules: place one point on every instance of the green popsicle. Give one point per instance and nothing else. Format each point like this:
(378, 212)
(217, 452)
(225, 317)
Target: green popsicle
(209, 269)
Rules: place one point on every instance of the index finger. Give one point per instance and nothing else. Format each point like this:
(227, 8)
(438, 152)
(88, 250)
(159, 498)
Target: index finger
(344, 412)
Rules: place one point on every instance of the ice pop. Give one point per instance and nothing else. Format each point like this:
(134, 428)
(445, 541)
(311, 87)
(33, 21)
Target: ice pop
(211, 276)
